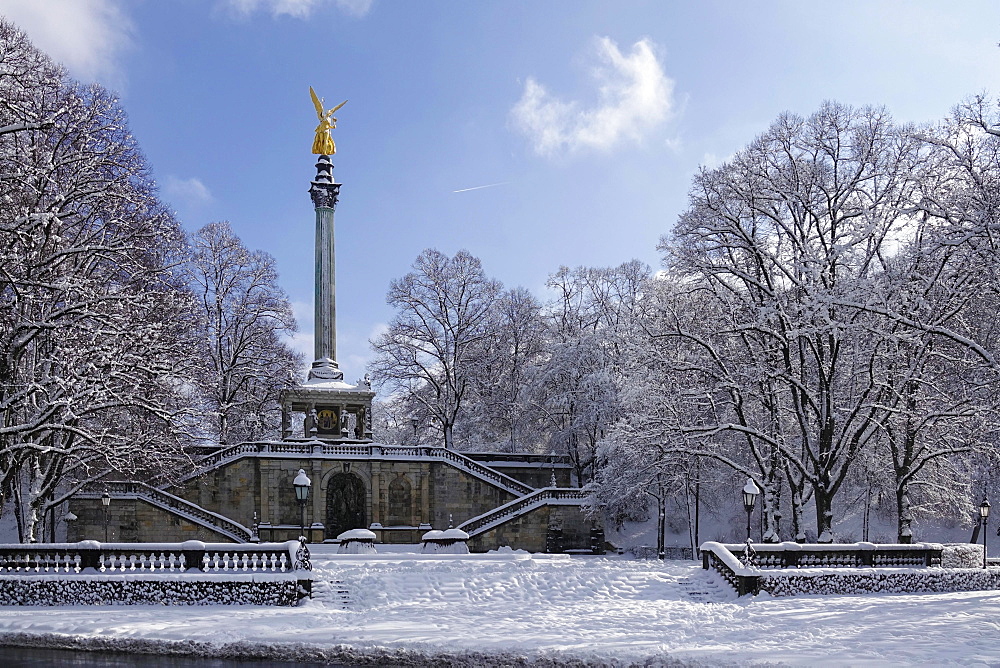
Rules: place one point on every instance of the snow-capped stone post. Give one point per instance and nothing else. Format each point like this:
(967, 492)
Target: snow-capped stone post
(357, 541)
(324, 193)
(451, 541)
(193, 552)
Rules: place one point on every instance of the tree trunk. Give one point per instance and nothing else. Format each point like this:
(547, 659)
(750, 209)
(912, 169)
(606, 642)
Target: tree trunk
(824, 514)
(661, 525)
(904, 517)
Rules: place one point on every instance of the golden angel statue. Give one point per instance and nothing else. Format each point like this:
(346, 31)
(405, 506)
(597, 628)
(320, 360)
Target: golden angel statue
(323, 143)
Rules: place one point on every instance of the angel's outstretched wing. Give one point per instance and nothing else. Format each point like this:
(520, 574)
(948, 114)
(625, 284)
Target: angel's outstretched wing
(317, 103)
(338, 107)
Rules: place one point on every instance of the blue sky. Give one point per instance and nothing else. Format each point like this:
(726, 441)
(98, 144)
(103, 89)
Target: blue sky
(586, 119)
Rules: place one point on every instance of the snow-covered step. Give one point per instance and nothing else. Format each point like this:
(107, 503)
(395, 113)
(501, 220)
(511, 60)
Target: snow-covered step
(705, 590)
(332, 593)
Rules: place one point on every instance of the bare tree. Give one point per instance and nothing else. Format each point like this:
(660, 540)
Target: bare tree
(244, 315)
(94, 349)
(833, 312)
(786, 238)
(444, 323)
(498, 413)
(588, 322)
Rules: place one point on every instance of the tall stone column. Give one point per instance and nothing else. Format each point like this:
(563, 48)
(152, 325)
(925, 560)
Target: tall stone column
(324, 193)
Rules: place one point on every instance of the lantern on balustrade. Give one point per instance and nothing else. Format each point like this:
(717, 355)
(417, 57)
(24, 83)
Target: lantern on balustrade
(302, 483)
(106, 502)
(984, 513)
(750, 493)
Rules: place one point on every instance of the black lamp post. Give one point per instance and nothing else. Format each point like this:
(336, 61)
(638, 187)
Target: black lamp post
(984, 512)
(750, 492)
(414, 422)
(105, 501)
(302, 483)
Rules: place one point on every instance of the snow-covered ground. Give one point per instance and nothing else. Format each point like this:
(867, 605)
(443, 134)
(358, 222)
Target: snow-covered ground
(554, 607)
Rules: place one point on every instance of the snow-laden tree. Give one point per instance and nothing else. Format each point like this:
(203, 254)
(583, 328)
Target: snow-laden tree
(244, 317)
(433, 350)
(783, 237)
(499, 415)
(588, 323)
(94, 348)
(819, 314)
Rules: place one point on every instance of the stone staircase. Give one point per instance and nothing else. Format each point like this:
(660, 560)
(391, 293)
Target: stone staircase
(554, 496)
(174, 505)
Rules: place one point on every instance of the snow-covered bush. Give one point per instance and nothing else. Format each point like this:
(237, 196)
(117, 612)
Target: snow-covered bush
(962, 555)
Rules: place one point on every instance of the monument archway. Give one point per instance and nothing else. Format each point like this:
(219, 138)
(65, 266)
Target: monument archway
(345, 504)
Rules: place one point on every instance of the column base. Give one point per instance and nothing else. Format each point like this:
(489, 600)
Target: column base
(325, 369)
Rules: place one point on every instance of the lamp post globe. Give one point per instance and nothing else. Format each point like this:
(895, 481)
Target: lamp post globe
(984, 513)
(750, 493)
(302, 483)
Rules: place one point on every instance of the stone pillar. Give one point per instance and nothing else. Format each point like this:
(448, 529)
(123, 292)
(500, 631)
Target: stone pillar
(324, 193)
(310, 421)
(286, 420)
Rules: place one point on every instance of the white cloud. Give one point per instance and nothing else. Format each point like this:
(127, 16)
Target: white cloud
(186, 192)
(634, 95)
(299, 9)
(87, 36)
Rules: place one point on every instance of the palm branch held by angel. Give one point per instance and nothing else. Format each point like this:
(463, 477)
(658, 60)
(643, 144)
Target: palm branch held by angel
(323, 143)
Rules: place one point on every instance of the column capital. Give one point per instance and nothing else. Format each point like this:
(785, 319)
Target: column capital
(323, 191)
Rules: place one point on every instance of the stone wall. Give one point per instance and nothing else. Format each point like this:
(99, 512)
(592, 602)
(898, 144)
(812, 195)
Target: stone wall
(406, 497)
(432, 492)
(232, 490)
(102, 589)
(531, 531)
(537, 476)
(133, 521)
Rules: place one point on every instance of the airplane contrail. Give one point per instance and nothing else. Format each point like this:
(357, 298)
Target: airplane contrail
(489, 185)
